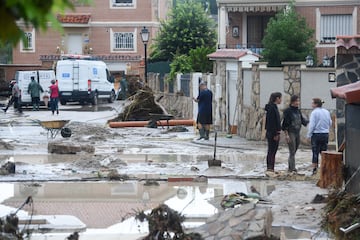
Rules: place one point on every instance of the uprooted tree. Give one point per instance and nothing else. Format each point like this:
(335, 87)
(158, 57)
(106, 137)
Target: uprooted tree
(140, 107)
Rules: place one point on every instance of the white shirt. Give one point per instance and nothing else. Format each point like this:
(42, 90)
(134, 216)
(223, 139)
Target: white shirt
(320, 121)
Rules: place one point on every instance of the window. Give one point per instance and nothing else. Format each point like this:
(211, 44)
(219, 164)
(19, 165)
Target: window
(122, 3)
(29, 44)
(335, 25)
(123, 41)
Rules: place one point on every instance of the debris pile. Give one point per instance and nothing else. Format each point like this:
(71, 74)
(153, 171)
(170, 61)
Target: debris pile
(342, 215)
(142, 103)
(165, 223)
(7, 168)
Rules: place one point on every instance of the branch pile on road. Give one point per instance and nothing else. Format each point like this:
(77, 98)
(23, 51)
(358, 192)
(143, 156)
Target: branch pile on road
(140, 105)
(165, 223)
(342, 215)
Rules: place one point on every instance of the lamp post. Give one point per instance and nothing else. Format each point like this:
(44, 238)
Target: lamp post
(145, 39)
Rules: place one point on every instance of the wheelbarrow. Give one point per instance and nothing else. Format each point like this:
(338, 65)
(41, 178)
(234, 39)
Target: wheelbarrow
(56, 126)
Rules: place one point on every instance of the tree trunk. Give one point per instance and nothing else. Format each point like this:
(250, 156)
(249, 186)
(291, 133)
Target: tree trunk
(331, 170)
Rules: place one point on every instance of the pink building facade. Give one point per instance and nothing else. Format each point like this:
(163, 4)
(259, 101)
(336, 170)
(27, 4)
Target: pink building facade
(242, 23)
(107, 29)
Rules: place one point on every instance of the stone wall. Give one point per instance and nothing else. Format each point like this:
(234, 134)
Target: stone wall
(245, 222)
(251, 117)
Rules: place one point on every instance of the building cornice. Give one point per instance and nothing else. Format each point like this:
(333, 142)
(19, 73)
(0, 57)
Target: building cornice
(237, 3)
(124, 24)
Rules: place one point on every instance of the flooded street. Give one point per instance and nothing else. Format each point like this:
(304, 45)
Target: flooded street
(152, 166)
(108, 207)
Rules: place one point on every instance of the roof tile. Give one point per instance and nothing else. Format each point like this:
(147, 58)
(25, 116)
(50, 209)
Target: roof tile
(231, 53)
(348, 42)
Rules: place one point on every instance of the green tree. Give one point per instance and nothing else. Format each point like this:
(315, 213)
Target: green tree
(287, 38)
(187, 27)
(35, 13)
(195, 61)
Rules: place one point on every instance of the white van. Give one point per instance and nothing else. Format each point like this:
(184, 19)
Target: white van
(81, 80)
(43, 77)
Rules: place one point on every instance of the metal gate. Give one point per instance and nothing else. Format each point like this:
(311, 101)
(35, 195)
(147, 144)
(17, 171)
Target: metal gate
(185, 84)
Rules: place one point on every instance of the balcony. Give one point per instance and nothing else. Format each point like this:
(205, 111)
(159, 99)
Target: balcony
(105, 57)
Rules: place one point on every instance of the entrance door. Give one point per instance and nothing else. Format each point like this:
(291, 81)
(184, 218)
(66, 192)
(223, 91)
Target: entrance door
(74, 44)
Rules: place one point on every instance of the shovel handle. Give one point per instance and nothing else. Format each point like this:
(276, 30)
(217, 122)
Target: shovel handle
(215, 145)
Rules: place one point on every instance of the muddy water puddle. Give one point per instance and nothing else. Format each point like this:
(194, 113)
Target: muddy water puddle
(107, 209)
(42, 167)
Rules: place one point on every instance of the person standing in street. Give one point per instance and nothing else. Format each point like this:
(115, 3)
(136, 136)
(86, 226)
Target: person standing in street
(291, 125)
(15, 97)
(204, 117)
(273, 129)
(34, 90)
(123, 88)
(318, 132)
(54, 97)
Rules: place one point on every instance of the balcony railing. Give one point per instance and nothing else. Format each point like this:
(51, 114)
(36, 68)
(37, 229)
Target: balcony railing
(256, 47)
(112, 57)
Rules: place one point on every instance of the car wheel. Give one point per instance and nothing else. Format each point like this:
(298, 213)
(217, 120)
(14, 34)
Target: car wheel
(112, 97)
(62, 102)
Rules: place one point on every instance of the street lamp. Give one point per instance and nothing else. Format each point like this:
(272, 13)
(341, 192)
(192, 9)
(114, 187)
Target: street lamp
(145, 39)
(326, 61)
(309, 61)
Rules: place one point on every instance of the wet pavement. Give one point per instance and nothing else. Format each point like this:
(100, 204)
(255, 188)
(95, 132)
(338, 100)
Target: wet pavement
(78, 182)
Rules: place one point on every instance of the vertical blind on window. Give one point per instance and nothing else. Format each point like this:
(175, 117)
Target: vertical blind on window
(335, 25)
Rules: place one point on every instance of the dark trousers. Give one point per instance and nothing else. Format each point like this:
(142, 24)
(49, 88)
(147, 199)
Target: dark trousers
(272, 149)
(319, 143)
(54, 104)
(35, 102)
(17, 103)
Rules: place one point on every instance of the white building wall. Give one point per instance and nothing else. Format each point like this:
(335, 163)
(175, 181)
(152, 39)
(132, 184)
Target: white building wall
(270, 81)
(247, 88)
(315, 84)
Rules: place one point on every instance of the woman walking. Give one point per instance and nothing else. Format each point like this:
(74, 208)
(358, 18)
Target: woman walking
(273, 129)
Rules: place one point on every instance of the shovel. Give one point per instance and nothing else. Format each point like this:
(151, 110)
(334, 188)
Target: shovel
(214, 162)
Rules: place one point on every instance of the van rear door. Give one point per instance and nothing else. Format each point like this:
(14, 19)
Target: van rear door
(23, 79)
(64, 75)
(45, 77)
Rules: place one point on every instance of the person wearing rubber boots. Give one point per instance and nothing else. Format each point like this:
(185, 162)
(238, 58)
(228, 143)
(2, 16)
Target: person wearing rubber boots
(204, 117)
(34, 90)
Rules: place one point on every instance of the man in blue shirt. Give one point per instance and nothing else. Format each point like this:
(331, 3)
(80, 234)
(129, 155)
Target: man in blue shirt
(204, 117)
(319, 126)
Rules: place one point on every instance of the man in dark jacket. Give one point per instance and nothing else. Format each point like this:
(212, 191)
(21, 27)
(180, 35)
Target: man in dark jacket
(291, 126)
(273, 129)
(204, 117)
(34, 89)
